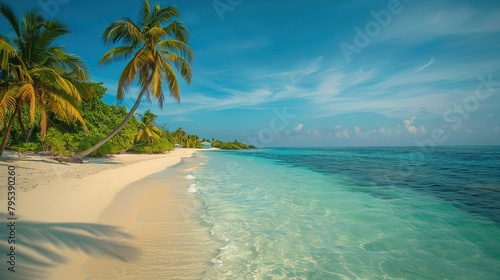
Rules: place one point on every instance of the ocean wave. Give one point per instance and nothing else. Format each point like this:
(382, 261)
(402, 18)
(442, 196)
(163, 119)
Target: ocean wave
(192, 188)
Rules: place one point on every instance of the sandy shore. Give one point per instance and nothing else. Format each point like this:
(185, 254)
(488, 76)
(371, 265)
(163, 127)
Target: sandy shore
(68, 213)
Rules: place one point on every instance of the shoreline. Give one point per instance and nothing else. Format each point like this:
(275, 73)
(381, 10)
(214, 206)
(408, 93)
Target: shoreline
(172, 242)
(61, 209)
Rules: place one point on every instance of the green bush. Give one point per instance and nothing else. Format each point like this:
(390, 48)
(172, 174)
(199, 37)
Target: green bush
(230, 145)
(158, 146)
(57, 142)
(100, 118)
(28, 147)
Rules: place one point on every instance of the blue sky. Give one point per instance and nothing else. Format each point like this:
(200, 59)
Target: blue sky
(319, 73)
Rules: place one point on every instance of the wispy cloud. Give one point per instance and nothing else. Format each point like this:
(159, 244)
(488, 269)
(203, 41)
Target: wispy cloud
(181, 119)
(429, 20)
(426, 65)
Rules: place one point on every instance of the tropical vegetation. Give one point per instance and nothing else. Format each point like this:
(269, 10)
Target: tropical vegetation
(38, 74)
(48, 102)
(158, 46)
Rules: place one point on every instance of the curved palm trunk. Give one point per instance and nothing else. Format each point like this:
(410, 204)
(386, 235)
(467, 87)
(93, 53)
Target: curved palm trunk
(78, 157)
(20, 120)
(29, 133)
(7, 131)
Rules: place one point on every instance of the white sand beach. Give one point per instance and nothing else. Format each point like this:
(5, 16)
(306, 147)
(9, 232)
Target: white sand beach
(69, 213)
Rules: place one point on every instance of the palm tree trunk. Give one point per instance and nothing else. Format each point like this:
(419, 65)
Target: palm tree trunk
(20, 120)
(78, 157)
(29, 134)
(7, 131)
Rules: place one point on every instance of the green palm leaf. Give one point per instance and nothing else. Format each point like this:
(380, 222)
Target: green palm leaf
(44, 75)
(158, 51)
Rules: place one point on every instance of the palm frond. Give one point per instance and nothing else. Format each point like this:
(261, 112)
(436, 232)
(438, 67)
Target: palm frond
(8, 13)
(32, 47)
(173, 84)
(156, 84)
(7, 104)
(51, 31)
(116, 54)
(69, 63)
(84, 88)
(177, 47)
(139, 135)
(181, 65)
(123, 30)
(52, 79)
(177, 30)
(155, 33)
(6, 52)
(64, 108)
(144, 14)
(166, 14)
(27, 95)
(158, 131)
(130, 72)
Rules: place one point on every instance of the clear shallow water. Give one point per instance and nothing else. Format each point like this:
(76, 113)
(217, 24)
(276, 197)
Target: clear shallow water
(360, 213)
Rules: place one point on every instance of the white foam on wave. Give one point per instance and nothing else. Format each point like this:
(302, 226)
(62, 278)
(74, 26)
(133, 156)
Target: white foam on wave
(192, 188)
(225, 247)
(190, 177)
(216, 261)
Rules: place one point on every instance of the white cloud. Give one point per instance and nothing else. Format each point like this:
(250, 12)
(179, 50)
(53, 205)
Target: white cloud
(412, 129)
(342, 134)
(337, 127)
(409, 124)
(313, 132)
(298, 127)
(357, 130)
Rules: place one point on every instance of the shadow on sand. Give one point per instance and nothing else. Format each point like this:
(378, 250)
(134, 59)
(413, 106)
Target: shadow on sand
(38, 245)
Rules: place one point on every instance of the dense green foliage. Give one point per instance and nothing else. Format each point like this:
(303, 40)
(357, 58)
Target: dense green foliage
(100, 118)
(64, 139)
(186, 140)
(149, 138)
(37, 75)
(158, 146)
(235, 145)
(148, 131)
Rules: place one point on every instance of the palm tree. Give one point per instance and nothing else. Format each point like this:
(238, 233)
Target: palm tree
(180, 136)
(157, 46)
(147, 128)
(194, 141)
(52, 81)
(7, 95)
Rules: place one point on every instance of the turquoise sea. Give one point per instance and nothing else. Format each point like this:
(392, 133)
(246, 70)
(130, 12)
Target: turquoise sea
(351, 213)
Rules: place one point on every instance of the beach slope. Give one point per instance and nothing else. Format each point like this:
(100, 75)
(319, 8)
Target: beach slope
(59, 211)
